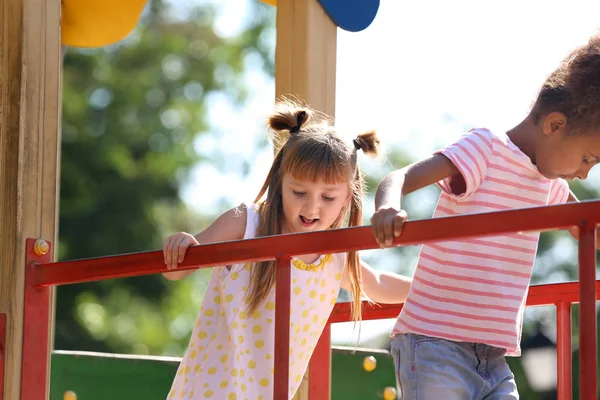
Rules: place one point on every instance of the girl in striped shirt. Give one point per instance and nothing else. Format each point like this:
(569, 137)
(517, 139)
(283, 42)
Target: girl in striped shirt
(464, 311)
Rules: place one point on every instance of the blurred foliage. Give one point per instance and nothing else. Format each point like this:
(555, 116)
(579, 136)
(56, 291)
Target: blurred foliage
(131, 114)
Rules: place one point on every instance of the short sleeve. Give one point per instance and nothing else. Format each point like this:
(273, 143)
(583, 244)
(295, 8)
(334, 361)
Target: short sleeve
(559, 192)
(471, 155)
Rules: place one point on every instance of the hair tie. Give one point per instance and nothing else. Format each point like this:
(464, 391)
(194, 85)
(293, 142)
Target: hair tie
(357, 144)
(295, 129)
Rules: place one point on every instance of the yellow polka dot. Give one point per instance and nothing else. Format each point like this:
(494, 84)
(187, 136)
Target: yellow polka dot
(192, 393)
(242, 315)
(313, 294)
(294, 280)
(224, 383)
(208, 323)
(200, 348)
(315, 318)
(213, 337)
(224, 358)
(244, 326)
(338, 276)
(235, 309)
(306, 328)
(182, 393)
(212, 370)
(251, 364)
(234, 324)
(297, 290)
(215, 289)
(232, 396)
(264, 382)
(322, 297)
(209, 312)
(301, 356)
(270, 305)
(234, 275)
(268, 356)
(304, 313)
(202, 335)
(220, 346)
(272, 371)
(308, 281)
(206, 385)
(269, 320)
(251, 379)
(243, 387)
(302, 303)
(257, 329)
(244, 288)
(303, 342)
(208, 394)
(323, 283)
(259, 344)
(241, 339)
(186, 370)
(333, 300)
(229, 298)
(247, 351)
(197, 368)
(298, 378)
(234, 372)
(218, 300)
(297, 328)
(256, 314)
(193, 354)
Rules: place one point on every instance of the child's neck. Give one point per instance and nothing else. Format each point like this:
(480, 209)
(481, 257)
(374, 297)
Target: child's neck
(523, 136)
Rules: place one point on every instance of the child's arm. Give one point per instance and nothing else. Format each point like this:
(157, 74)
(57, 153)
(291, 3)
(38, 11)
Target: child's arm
(229, 226)
(388, 217)
(381, 286)
(574, 231)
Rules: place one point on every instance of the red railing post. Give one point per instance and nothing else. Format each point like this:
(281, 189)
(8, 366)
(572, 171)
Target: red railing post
(587, 312)
(319, 369)
(2, 352)
(564, 350)
(36, 325)
(282, 329)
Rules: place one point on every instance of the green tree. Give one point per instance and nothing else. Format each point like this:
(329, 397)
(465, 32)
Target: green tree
(131, 114)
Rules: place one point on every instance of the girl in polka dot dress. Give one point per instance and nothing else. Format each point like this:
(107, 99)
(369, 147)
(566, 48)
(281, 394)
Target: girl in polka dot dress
(314, 184)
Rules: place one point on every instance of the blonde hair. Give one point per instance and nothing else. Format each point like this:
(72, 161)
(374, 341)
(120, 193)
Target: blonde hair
(310, 149)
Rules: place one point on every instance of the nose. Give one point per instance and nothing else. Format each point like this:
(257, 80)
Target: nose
(583, 172)
(311, 207)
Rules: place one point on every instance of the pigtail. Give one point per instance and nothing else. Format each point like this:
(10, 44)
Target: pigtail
(368, 142)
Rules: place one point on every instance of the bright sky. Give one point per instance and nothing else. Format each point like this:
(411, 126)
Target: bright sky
(420, 74)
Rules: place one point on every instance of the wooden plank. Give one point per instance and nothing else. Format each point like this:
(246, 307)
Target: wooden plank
(305, 66)
(29, 153)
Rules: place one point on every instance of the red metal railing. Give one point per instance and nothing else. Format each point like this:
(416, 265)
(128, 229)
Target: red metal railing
(41, 274)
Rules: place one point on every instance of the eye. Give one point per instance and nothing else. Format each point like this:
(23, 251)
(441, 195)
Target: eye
(585, 160)
(297, 193)
(327, 198)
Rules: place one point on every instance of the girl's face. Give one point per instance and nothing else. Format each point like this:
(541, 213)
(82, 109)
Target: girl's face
(311, 206)
(568, 157)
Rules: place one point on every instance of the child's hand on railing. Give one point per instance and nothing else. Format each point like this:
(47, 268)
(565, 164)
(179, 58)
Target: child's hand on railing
(387, 223)
(175, 248)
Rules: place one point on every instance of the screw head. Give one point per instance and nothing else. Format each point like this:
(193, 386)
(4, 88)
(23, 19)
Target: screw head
(41, 247)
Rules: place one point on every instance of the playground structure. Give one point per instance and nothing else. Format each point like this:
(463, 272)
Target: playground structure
(305, 66)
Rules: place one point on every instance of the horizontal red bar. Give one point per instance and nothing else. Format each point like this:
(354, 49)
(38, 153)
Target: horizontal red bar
(331, 241)
(539, 295)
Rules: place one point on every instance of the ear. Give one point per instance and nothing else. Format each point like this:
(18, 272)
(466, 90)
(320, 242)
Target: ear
(555, 122)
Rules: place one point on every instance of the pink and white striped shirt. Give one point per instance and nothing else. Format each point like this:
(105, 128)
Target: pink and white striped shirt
(474, 290)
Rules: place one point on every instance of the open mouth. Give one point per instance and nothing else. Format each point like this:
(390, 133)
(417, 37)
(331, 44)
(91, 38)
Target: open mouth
(308, 221)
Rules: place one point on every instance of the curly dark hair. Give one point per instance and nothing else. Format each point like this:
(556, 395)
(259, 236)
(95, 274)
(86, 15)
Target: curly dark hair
(574, 89)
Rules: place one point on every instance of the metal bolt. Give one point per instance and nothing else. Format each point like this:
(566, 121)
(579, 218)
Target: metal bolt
(41, 247)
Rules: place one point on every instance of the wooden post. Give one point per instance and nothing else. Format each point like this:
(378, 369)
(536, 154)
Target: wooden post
(305, 54)
(30, 107)
(305, 65)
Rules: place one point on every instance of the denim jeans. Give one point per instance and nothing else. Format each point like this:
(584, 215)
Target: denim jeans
(429, 368)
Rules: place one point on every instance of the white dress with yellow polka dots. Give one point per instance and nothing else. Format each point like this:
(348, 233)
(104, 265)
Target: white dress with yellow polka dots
(231, 354)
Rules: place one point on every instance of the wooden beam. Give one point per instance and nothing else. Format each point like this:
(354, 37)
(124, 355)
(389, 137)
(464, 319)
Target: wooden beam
(305, 54)
(30, 105)
(305, 66)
